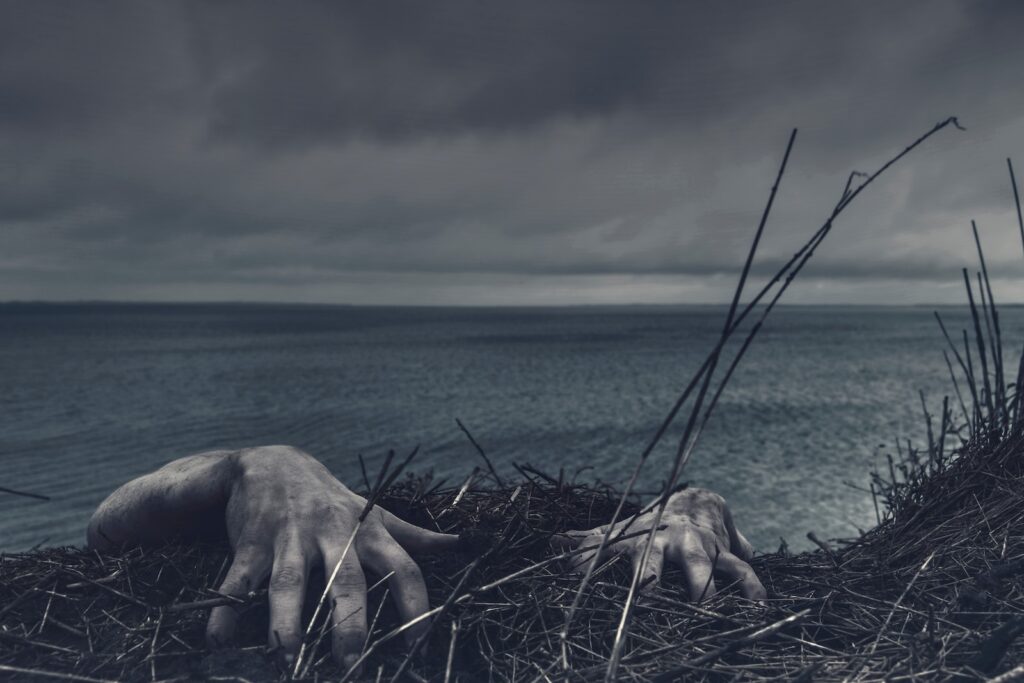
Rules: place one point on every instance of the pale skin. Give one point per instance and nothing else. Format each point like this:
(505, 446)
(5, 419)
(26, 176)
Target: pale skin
(285, 513)
(696, 533)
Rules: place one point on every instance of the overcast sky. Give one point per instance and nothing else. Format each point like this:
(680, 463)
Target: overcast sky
(500, 152)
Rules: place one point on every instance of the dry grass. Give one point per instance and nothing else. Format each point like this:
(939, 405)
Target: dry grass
(934, 591)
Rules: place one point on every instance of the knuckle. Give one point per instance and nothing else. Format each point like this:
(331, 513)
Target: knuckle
(408, 571)
(349, 577)
(238, 584)
(745, 573)
(694, 556)
(243, 572)
(332, 513)
(713, 497)
(346, 584)
(689, 536)
(248, 547)
(388, 555)
(371, 547)
(286, 577)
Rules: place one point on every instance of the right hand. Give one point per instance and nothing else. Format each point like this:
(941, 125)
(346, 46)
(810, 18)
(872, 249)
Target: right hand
(696, 533)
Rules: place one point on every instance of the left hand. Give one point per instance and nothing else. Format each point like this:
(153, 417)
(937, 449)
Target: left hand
(698, 535)
(284, 512)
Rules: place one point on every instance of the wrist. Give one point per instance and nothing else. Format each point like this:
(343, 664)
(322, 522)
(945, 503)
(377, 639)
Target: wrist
(185, 498)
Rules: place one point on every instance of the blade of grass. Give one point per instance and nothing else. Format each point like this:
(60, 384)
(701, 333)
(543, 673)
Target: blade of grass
(685, 445)
(995, 339)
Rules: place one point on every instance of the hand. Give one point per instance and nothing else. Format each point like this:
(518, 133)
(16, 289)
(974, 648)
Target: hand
(284, 512)
(697, 534)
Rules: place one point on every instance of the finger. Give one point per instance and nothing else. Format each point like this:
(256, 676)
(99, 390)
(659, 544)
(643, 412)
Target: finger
(287, 593)
(248, 570)
(568, 540)
(384, 556)
(740, 571)
(738, 544)
(590, 545)
(348, 600)
(651, 572)
(689, 554)
(415, 539)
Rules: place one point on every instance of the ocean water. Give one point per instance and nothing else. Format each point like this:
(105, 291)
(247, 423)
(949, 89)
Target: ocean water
(95, 394)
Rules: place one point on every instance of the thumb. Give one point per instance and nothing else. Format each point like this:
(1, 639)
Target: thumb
(416, 539)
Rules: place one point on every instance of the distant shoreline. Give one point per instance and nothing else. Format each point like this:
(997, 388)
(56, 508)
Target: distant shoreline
(112, 303)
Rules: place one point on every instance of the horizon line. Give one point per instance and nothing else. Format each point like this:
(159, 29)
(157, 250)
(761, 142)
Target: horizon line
(321, 304)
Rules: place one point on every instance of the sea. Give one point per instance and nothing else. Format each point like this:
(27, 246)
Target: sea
(94, 394)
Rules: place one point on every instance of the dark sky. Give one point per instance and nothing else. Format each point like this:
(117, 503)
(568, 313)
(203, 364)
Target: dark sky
(499, 152)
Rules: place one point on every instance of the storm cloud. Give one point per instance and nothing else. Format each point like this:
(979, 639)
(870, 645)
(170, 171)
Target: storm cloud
(527, 152)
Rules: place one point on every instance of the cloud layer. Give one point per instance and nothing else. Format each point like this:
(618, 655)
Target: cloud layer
(466, 152)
